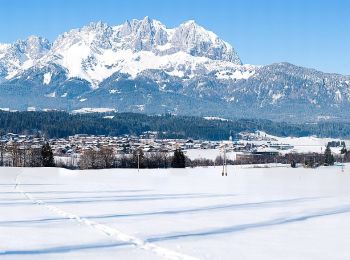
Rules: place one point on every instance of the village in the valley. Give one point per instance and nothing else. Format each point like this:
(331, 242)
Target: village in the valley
(245, 147)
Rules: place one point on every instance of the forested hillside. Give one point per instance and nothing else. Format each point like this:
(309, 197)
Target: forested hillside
(62, 124)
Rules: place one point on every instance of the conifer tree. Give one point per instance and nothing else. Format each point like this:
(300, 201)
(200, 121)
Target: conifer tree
(328, 157)
(179, 159)
(344, 150)
(47, 156)
(293, 164)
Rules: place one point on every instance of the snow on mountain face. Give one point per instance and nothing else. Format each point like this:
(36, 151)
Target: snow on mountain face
(194, 39)
(98, 50)
(286, 89)
(34, 47)
(143, 66)
(21, 55)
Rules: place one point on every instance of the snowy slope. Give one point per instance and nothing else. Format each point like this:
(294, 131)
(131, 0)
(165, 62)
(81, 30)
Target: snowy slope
(274, 213)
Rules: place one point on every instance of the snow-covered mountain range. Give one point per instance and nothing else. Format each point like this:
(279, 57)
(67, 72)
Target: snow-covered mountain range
(144, 66)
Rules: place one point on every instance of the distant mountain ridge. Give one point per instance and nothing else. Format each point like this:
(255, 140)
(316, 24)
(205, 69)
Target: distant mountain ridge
(143, 66)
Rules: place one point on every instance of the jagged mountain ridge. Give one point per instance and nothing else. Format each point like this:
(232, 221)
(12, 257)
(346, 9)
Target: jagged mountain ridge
(143, 66)
(21, 55)
(96, 51)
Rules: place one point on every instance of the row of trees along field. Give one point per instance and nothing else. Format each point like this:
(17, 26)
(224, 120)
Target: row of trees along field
(310, 160)
(15, 155)
(42, 156)
(105, 158)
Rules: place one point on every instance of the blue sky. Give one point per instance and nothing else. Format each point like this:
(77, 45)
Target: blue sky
(311, 33)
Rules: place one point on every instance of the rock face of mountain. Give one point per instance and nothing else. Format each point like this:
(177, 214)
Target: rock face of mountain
(21, 55)
(143, 66)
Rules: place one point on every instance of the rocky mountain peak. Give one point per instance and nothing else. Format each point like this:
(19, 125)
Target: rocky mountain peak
(98, 50)
(33, 47)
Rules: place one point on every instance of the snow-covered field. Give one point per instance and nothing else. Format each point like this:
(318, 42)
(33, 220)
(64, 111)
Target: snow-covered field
(210, 154)
(254, 213)
(308, 144)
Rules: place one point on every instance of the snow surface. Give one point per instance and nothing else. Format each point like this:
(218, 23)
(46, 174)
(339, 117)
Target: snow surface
(93, 109)
(237, 74)
(31, 108)
(215, 118)
(276, 97)
(210, 154)
(4, 47)
(140, 107)
(51, 95)
(47, 78)
(307, 144)
(114, 91)
(254, 213)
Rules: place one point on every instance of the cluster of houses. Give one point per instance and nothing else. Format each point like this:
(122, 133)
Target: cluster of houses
(22, 141)
(246, 147)
(246, 143)
(126, 144)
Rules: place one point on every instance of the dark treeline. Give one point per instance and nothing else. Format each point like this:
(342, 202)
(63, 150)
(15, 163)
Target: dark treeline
(105, 158)
(307, 159)
(57, 124)
(16, 155)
